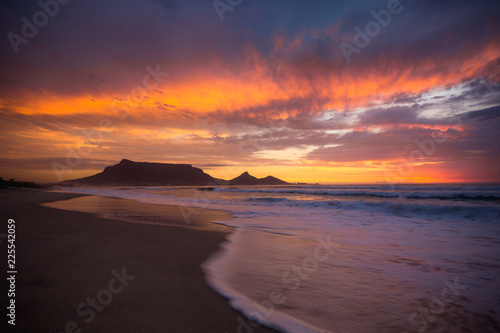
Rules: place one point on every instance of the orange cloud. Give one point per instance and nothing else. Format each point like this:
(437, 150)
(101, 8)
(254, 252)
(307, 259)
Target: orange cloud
(249, 88)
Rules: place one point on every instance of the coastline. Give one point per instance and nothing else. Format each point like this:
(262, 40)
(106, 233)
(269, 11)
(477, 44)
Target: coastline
(65, 259)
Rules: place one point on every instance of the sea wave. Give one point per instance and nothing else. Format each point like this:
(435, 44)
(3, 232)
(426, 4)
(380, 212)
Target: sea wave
(394, 207)
(280, 201)
(216, 274)
(423, 194)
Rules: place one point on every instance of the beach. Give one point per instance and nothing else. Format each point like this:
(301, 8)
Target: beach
(79, 271)
(349, 258)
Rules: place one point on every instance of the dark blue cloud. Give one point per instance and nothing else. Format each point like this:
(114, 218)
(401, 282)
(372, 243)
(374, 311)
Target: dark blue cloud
(117, 36)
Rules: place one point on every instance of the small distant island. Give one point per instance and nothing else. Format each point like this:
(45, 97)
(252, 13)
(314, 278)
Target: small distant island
(130, 173)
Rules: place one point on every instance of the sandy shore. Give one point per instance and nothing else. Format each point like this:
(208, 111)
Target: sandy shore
(79, 271)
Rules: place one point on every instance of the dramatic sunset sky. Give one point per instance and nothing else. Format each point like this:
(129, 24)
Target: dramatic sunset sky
(287, 88)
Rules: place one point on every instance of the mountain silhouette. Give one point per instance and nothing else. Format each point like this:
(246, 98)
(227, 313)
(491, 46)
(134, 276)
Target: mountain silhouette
(244, 179)
(247, 179)
(130, 173)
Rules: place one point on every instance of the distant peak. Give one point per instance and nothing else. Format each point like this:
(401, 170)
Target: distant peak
(245, 173)
(125, 161)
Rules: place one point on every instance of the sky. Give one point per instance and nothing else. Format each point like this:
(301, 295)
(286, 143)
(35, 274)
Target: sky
(308, 91)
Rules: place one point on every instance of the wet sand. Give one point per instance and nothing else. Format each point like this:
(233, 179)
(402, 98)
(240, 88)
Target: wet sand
(81, 271)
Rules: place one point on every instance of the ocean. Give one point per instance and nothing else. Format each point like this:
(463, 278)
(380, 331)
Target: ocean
(351, 258)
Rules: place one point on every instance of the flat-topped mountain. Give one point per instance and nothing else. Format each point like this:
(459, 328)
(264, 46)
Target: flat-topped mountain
(143, 173)
(129, 173)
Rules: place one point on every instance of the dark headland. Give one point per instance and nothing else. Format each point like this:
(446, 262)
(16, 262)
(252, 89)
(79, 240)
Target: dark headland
(130, 173)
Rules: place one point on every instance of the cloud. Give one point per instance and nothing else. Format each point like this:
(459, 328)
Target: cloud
(277, 83)
(477, 142)
(44, 163)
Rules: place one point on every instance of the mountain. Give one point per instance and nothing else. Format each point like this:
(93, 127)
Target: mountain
(270, 180)
(130, 173)
(244, 179)
(247, 179)
(143, 173)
